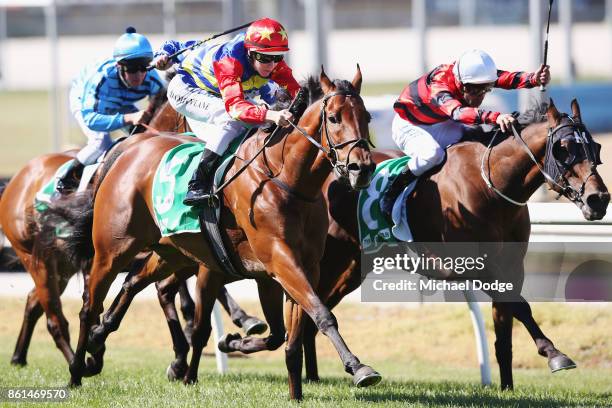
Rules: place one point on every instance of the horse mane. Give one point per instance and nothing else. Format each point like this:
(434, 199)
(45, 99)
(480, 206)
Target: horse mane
(310, 92)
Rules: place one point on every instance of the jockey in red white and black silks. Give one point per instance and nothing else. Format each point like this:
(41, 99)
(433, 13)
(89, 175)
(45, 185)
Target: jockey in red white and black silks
(216, 86)
(433, 111)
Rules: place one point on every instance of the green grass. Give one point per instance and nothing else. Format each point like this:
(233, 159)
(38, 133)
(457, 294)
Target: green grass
(426, 356)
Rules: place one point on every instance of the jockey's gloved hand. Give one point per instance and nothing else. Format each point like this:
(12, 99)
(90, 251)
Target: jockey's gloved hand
(505, 120)
(281, 118)
(162, 62)
(136, 118)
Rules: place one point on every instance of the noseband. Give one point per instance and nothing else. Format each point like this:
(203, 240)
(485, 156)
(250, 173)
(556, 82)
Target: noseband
(331, 153)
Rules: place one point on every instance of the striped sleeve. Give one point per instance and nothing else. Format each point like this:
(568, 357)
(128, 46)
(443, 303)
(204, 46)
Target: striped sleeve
(457, 111)
(515, 80)
(228, 72)
(93, 116)
(171, 47)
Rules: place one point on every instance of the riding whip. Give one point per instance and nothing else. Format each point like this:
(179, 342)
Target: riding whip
(198, 43)
(550, 2)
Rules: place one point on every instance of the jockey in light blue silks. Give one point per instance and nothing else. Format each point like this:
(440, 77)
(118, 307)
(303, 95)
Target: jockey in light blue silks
(102, 100)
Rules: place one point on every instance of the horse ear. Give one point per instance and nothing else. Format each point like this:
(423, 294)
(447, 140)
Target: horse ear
(357, 80)
(553, 114)
(326, 84)
(576, 111)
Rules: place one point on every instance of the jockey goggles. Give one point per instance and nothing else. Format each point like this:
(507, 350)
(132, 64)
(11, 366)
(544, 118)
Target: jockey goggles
(476, 90)
(134, 66)
(266, 59)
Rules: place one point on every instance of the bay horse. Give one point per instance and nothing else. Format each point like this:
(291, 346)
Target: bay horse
(20, 223)
(456, 204)
(276, 224)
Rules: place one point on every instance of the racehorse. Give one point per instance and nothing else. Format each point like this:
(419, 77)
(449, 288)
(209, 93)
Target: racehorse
(276, 224)
(20, 224)
(456, 204)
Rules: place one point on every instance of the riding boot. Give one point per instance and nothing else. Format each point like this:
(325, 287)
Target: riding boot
(68, 182)
(201, 180)
(397, 186)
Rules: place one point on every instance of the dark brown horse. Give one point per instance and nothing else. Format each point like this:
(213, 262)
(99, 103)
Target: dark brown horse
(276, 224)
(20, 223)
(456, 204)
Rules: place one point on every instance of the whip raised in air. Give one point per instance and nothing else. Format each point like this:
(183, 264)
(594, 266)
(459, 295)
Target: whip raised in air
(550, 2)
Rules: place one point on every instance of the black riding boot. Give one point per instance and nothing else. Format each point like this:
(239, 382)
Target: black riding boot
(201, 179)
(397, 186)
(69, 181)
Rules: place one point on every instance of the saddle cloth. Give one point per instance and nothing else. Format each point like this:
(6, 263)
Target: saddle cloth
(374, 228)
(170, 186)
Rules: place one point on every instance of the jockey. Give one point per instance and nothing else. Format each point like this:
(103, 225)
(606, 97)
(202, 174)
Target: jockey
(215, 86)
(102, 100)
(433, 112)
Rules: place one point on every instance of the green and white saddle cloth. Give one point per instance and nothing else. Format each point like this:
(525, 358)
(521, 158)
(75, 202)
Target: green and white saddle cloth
(170, 186)
(374, 228)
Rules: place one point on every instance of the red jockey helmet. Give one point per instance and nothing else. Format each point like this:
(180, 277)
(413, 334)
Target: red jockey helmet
(266, 36)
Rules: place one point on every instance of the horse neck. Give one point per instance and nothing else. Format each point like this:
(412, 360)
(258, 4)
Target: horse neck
(304, 166)
(513, 172)
(166, 119)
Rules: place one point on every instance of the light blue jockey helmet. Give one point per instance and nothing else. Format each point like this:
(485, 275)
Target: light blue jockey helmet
(132, 45)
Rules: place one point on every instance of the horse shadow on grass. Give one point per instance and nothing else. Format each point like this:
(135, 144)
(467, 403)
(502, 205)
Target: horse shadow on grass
(447, 393)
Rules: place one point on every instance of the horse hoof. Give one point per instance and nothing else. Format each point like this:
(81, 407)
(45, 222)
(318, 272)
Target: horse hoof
(561, 362)
(253, 325)
(174, 372)
(18, 362)
(92, 367)
(224, 342)
(313, 379)
(366, 376)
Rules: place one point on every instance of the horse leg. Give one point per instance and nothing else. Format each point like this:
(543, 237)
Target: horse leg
(105, 267)
(249, 324)
(271, 299)
(153, 270)
(502, 321)
(187, 308)
(166, 293)
(208, 285)
(556, 360)
(290, 274)
(33, 311)
(331, 291)
(294, 323)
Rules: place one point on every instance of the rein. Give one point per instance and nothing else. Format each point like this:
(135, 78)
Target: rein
(331, 154)
(566, 189)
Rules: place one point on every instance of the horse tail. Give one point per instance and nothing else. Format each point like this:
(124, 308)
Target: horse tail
(65, 228)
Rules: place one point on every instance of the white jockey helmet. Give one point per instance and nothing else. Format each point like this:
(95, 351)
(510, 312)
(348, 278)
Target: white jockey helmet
(475, 67)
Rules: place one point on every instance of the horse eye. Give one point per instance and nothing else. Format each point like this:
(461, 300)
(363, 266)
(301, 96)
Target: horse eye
(333, 119)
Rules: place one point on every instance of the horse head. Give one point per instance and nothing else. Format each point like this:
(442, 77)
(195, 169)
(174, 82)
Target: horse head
(572, 156)
(344, 130)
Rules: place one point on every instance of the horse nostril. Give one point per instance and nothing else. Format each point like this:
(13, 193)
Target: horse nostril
(598, 201)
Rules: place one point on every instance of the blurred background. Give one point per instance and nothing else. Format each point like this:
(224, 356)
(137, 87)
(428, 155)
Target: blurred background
(44, 44)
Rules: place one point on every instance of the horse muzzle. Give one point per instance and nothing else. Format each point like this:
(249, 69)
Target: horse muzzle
(360, 175)
(595, 205)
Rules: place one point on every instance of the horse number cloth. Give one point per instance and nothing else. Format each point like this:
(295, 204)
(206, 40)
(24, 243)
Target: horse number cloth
(374, 228)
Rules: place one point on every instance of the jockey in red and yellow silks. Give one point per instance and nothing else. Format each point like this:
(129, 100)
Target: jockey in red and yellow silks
(216, 86)
(432, 112)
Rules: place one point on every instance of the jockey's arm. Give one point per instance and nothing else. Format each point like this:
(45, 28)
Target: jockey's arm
(444, 100)
(517, 80)
(161, 59)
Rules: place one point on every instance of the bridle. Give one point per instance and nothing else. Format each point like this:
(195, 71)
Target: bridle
(331, 153)
(554, 170)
